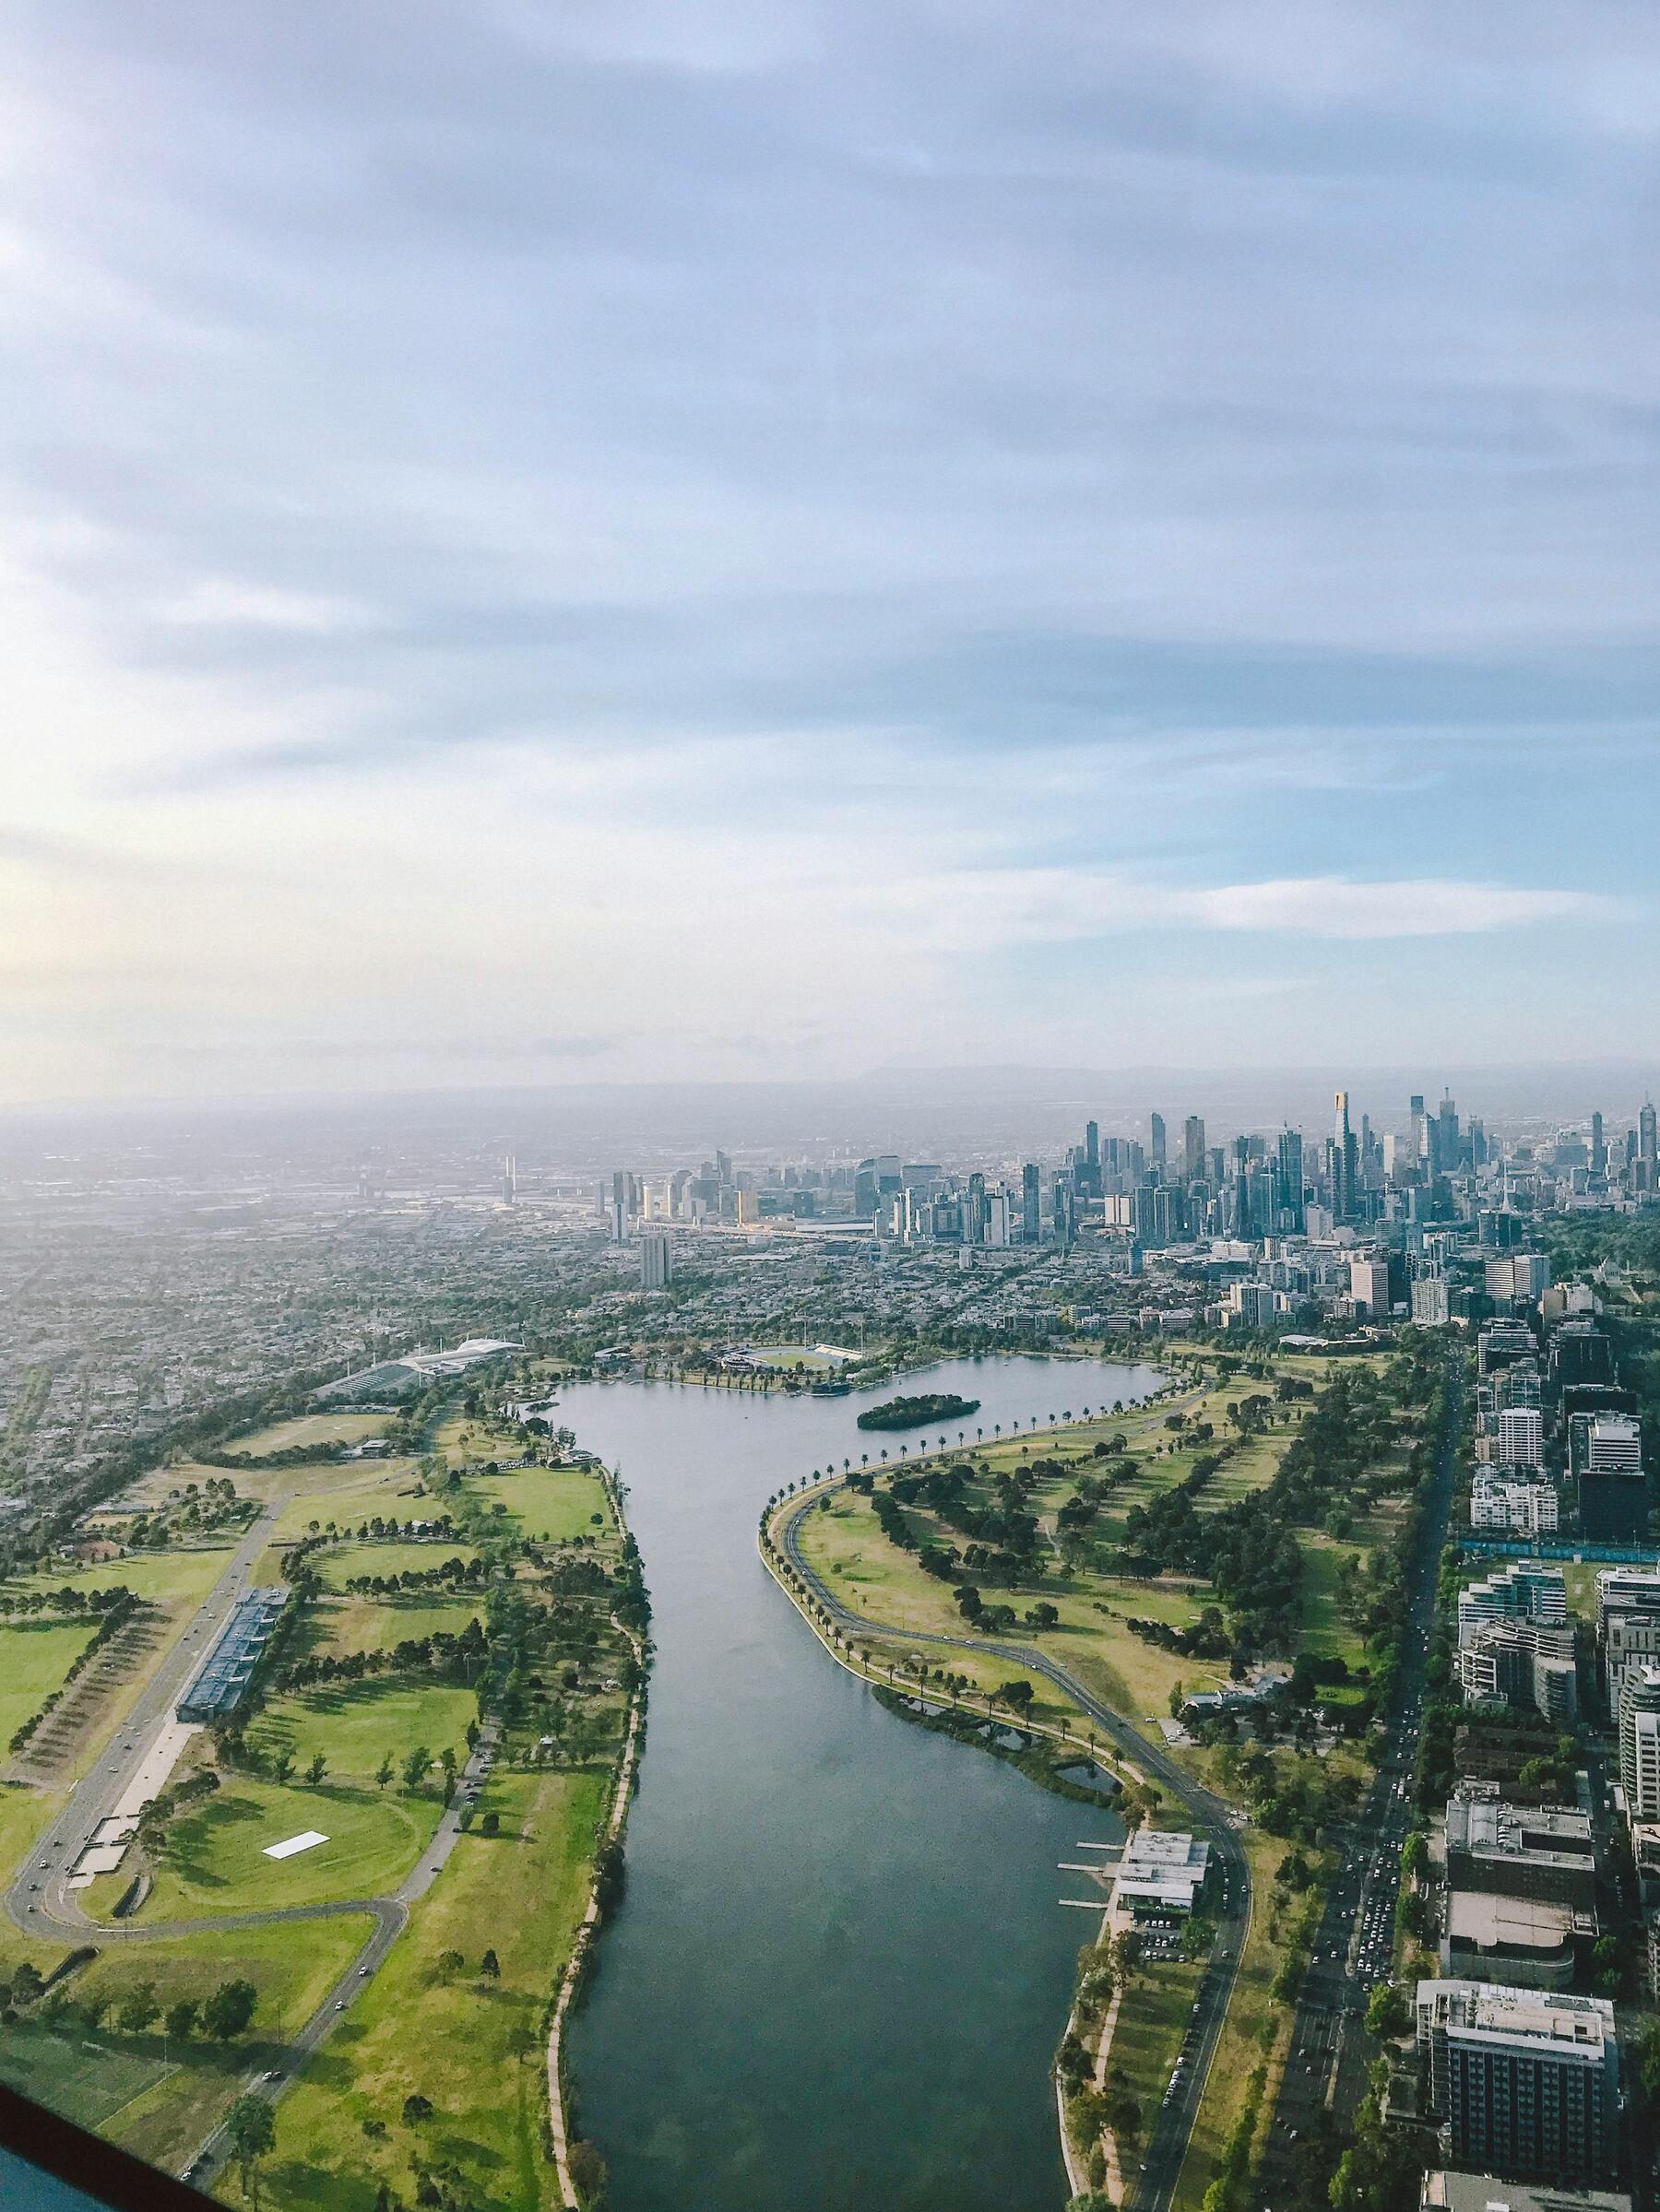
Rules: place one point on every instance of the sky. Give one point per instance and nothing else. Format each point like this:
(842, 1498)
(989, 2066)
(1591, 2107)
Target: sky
(562, 540)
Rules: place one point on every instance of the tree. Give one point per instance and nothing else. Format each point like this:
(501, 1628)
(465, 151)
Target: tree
(138, 2008)
(382, 1773)
(450, 1962)
(182, 2018)
(317, 1769)
(230, 2010)
(491, 1965)
(416, 2108)
(283, 1766)
(490, 1825)
(1388, 2015)
(26, 1984)
(252, 2129)
(415, 1766)
(587, 2172)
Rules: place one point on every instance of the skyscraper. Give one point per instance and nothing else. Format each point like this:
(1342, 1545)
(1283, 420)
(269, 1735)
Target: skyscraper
(1447, 1141)
(1288, 1194)
(1599, 1146)
(1345, 1160)
(1156, 1138)
(1031, 1204)
(1418, 1142)
(1645, 1144)
(1192, 1149)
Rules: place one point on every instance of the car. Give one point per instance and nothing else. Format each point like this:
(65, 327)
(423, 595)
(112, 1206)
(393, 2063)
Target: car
(340, 2006)
(272, 2074)
(364, 1973)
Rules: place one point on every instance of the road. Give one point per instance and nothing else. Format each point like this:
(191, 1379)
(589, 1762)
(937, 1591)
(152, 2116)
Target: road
(1151, 2189)
(41, 1904)
(1329, 2054)
(37, 1900)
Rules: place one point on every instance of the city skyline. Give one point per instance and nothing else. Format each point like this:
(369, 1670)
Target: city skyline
(732, 541)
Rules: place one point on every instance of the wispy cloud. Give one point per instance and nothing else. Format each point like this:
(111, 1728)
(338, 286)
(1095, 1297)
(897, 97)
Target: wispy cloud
(959, 520)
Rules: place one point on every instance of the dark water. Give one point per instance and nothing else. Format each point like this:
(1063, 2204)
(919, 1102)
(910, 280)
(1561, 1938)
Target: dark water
(841, 1970)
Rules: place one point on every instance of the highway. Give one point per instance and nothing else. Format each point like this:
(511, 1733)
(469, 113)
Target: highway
(1151, 2189)
(1329, 2054)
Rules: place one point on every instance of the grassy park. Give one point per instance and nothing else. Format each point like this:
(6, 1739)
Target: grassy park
(469, 2043)
(387, 1731)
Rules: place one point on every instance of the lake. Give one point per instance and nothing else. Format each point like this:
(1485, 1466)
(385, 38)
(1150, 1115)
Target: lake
(841, 1968)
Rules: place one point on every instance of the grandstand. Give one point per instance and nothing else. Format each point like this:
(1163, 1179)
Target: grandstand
(221, 1682)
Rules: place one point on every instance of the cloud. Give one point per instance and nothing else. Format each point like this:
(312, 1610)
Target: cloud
(981, 911)
(1333, 906)
(237, 605)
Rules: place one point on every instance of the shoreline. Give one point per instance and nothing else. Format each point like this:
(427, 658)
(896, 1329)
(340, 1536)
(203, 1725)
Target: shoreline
(588, 1930)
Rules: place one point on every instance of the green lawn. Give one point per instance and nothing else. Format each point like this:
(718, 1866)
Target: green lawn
(293, 1968)
(309, 1432)
(549, 1505)
(339, 1564)
(86, 2079)
(473, 2046)
(215, 1861)
(171, 1579)
(355, 1725)
(34, 1658)
(343, 1625)
(1146, 2042)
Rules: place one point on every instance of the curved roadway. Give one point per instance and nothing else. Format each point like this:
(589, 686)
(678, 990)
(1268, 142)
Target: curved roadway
(1153, 2188)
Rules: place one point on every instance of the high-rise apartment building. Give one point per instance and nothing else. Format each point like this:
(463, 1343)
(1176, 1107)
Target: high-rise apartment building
(1639, 1718)
(657, 1260)
(1524, 2082)
(1156, 1139)
(1031, 1204)
(1522, 1435)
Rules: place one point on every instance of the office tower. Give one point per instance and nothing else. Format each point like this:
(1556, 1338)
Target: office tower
(1031, 1204)
(1345, 1164)
(1599, 1146)
(1065, 1199)
(1091, 1162)
(1369, 1288)
(975, 1210)
(509, 1180)
(657, 1260)
(1156, 1140)
(1418, 1142)
(1289, 1193)
(1431, 1306)
(1640, 1743)
(1446, 1143)
(1606, 1452)
(1192, 1149)
(1525, 2081)
(997, 1219)
(620, 1207)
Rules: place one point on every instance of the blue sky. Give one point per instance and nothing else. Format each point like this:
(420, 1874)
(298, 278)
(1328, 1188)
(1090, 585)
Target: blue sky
(569, 540)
